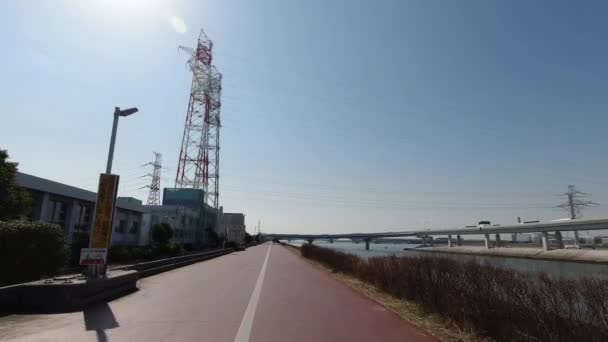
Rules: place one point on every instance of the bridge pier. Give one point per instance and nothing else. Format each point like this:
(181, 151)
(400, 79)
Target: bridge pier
(498, 241)
(331, 240)
(559, 239)
(367, 244)
(486, 239)
(576, 240)
(544, 236)
(310, 241)
(458, 240)
(449, 240)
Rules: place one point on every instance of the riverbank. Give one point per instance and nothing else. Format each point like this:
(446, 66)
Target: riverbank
(494, 301)
(568, 255)
(433, 324)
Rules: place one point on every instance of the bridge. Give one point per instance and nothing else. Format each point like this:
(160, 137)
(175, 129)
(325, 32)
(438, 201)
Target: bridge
(426, 235)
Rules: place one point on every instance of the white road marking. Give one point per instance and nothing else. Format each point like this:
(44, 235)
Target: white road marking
(247, 323)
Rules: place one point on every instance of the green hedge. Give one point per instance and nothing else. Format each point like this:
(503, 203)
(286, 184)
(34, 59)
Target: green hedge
(129, 254)
(30, 250)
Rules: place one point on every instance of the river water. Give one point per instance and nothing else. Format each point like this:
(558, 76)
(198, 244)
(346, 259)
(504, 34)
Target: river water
(554, 268)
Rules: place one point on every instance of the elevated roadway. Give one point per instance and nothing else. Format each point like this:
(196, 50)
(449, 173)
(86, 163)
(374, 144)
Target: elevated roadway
(545, 228)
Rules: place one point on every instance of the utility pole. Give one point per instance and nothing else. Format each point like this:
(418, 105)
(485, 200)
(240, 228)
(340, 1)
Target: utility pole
(154, 195)
(575, 203)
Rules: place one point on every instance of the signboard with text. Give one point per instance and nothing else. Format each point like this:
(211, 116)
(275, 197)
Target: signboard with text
(93, 256)
(104, 211)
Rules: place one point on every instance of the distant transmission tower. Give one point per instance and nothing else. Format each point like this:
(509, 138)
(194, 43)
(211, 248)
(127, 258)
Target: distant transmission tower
(154, 195)
(575, 204)
(199, 157)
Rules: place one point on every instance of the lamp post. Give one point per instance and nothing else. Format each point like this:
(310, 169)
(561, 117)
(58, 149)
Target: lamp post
(117, 113)
(101, 232)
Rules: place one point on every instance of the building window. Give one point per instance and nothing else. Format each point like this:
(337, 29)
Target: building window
(134, 227)
(56, 212)
(183, 220)
(122, 226)
(83, 218)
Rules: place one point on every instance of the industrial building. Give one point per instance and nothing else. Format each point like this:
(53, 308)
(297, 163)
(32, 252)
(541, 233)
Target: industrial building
(233, 226)
(72, 209)
(183, 220)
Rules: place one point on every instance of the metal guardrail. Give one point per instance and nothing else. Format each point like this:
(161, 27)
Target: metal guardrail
(161, 265)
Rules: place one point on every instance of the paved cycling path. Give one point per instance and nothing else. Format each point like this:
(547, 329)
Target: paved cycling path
(263, 294)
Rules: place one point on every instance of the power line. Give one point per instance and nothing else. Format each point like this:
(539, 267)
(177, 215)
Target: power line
(575, 204)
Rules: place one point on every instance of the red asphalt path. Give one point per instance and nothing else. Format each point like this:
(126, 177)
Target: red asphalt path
(208, 301)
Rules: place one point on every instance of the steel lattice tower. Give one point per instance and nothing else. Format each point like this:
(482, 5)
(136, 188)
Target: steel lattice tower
(198, 165)
(154, 195)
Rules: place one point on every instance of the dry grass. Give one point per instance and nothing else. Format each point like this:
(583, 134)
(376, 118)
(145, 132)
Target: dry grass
(413, 313)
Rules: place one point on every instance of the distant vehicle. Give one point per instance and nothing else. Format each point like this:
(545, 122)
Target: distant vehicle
(482, 224)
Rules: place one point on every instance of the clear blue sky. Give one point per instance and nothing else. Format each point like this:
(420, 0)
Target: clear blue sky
(339, 116)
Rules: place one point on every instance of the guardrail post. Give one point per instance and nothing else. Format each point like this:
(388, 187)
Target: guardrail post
(544, 236)
(559, 239)
(458, 240)
(486, 239)
(449, 240)
(497, 238)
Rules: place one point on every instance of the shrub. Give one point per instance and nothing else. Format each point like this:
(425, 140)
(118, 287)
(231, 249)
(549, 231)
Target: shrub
(169, 250)
(79, 241)
(129, 254)
(231, 244)
(498, 302)
(30, 250)
(161, 233)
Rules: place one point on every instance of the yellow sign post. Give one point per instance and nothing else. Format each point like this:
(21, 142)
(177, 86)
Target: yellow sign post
(104, 211)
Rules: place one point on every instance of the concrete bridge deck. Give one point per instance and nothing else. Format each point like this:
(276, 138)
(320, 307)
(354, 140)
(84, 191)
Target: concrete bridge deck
(263, 294)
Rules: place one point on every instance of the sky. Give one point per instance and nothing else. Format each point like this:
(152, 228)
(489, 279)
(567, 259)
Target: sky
(338, 116)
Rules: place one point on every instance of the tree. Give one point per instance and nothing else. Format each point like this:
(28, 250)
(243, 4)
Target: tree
(15, 202)
(214, 239)
(162, 233)
(248, 238)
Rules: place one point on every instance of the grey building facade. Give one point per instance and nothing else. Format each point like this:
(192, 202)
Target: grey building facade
(183, 220)
(233, 225)
(72, 209)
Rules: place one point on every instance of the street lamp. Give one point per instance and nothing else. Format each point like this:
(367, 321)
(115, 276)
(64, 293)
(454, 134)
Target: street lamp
(117, 113)
(103, 217)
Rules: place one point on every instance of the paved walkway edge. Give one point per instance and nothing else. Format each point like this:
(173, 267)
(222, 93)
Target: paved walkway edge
(72, 294)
